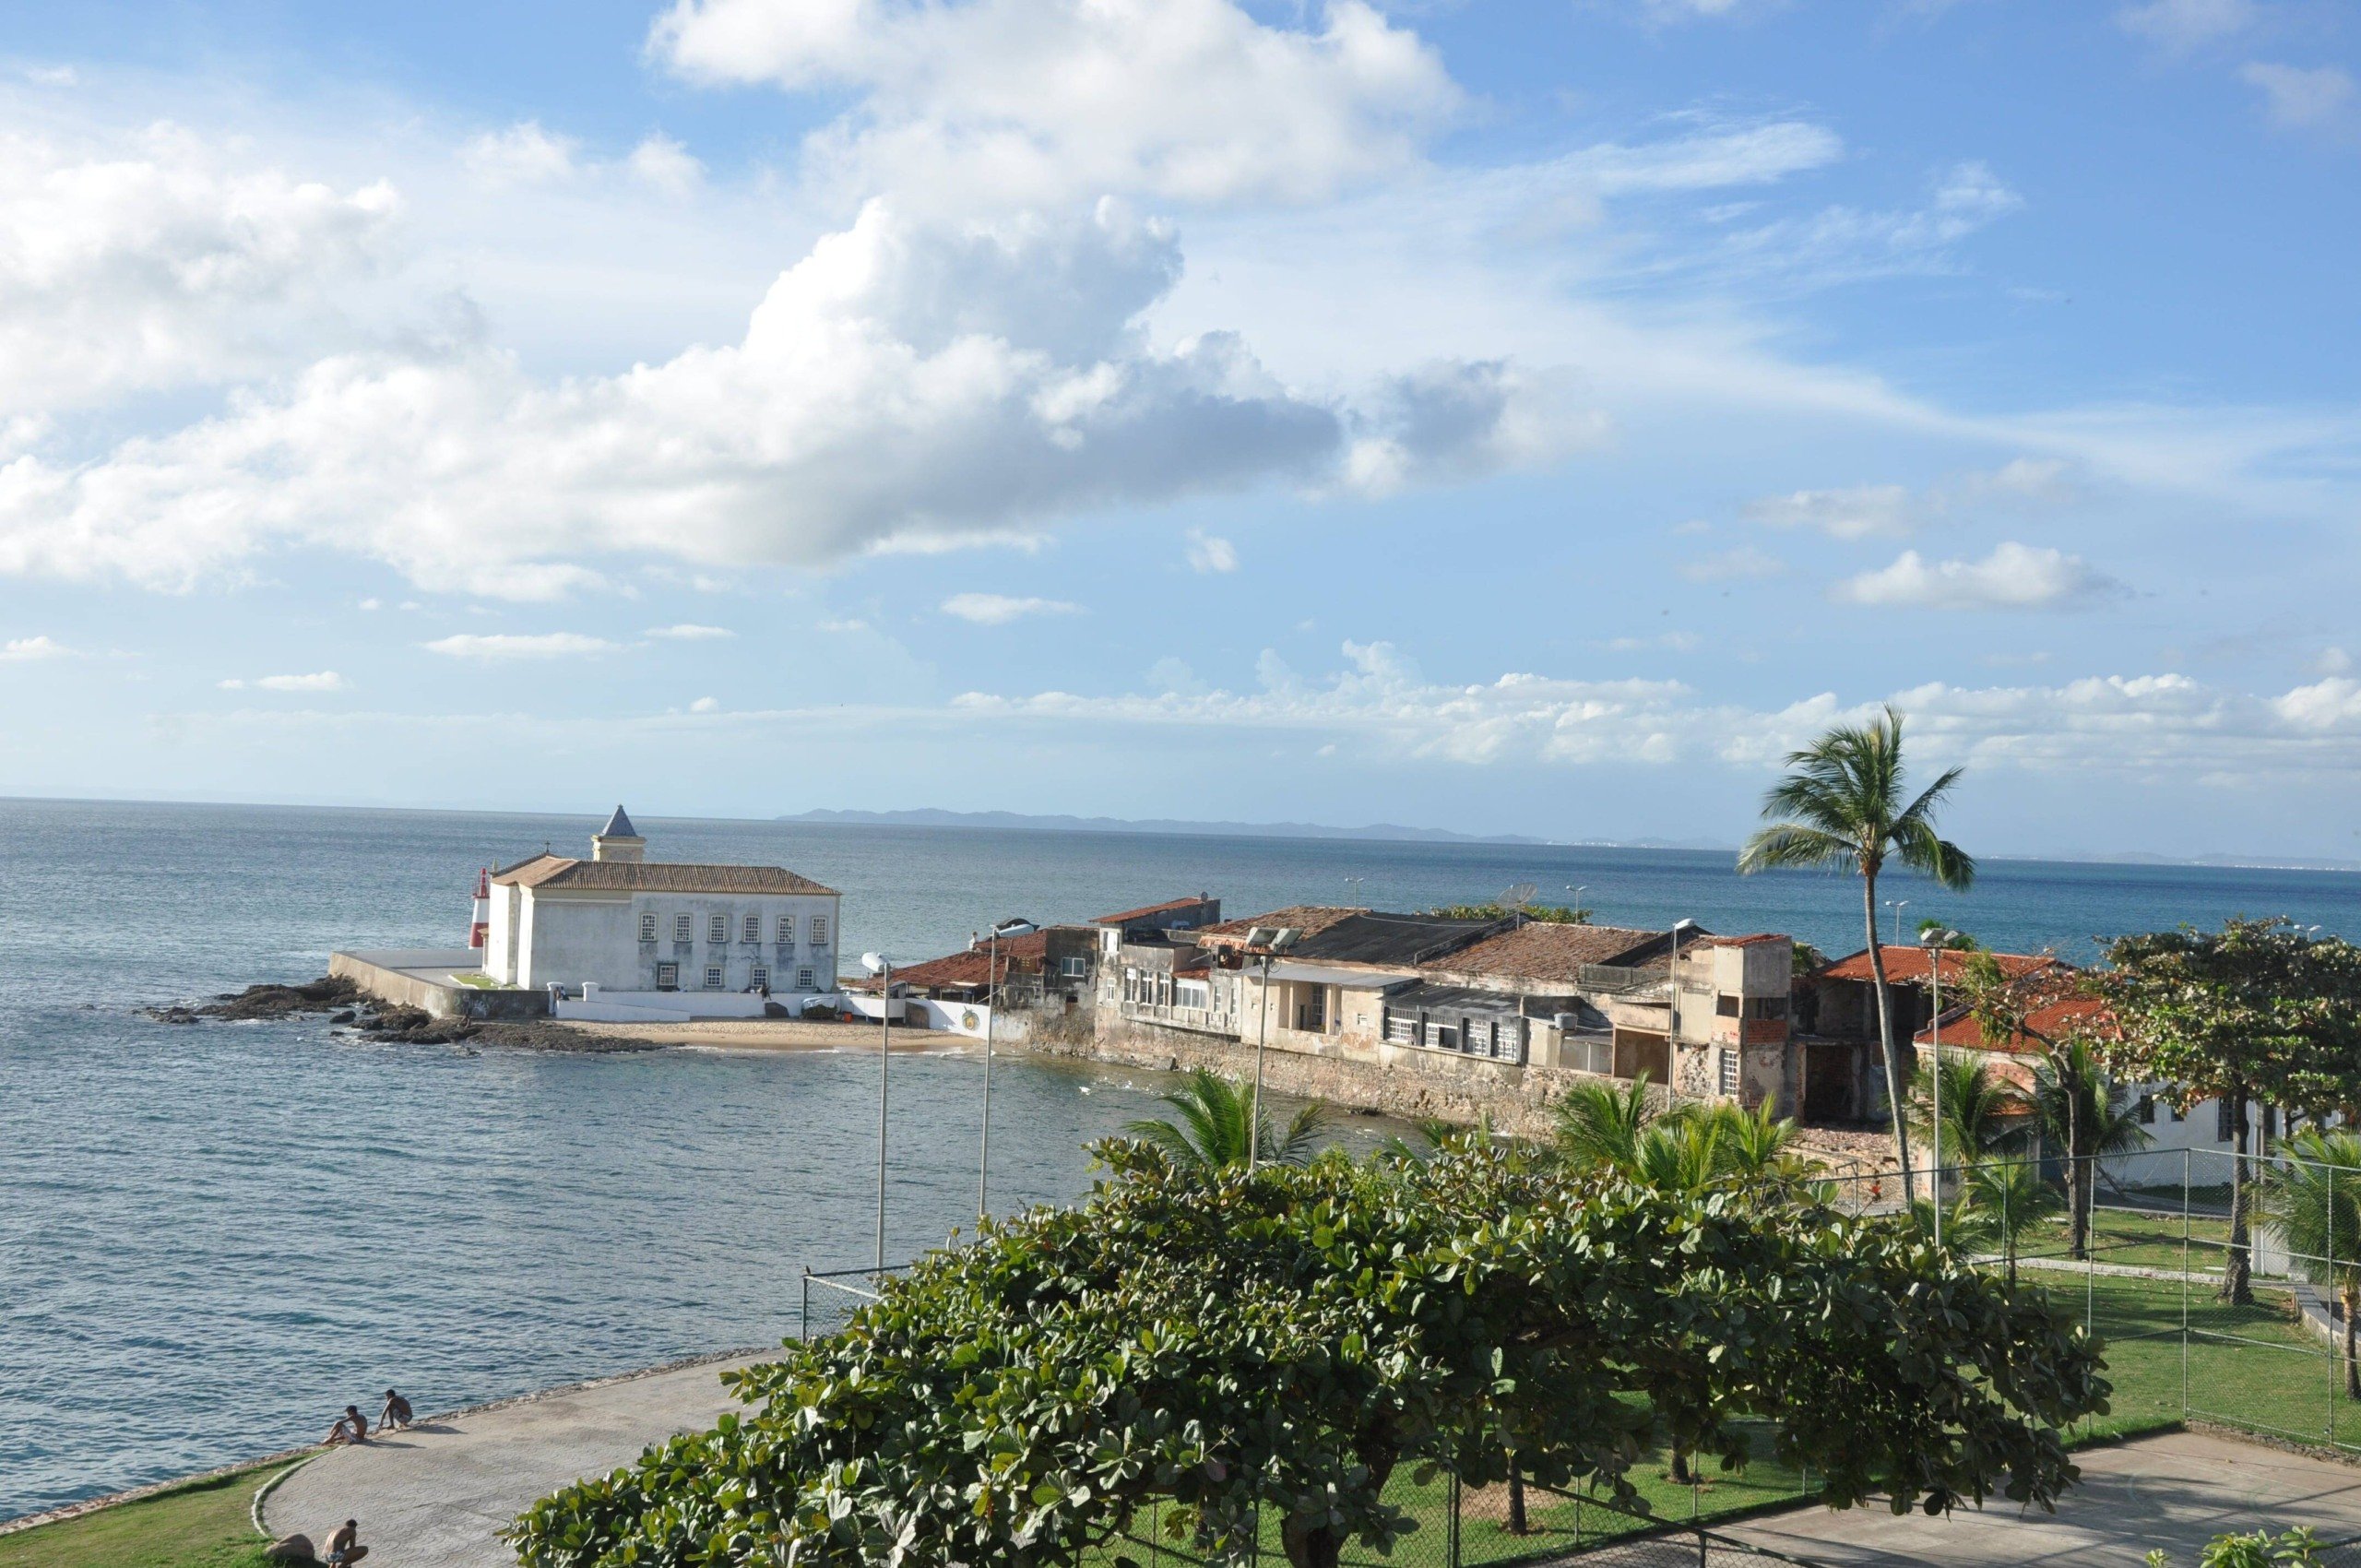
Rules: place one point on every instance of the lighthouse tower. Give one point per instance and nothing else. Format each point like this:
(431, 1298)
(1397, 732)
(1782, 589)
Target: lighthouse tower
(480, 927)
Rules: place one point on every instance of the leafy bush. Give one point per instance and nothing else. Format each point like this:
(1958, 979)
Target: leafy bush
(1287, 1340)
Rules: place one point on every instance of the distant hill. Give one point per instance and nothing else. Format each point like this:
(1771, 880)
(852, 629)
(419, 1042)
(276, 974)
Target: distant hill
(929, 817)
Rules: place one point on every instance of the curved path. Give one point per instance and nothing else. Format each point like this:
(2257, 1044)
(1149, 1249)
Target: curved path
(434, 1496)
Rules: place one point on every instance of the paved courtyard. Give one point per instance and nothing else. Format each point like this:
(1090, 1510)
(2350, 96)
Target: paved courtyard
(434, 1496)
(2176, 1491)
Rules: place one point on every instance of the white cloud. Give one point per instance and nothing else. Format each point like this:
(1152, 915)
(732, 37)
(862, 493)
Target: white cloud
(842, 626)
(1857, 512)
(148, 261)
(514, 644)
(705, 705)
(1030, 101)
(1668, 642)
(321, 681)
(524, 154)
(26, 649)
(1000, 609)
(903, 386)
(664, 163)
(1848, 244)
(1211, 552)
(689, 631)
(1865, 511)
(2014, 577)
(1379, 706)
(2300, 98)
(2332, 661)
(1733, 565)
(2181, 26)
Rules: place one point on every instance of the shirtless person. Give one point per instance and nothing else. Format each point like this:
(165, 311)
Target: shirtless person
(396, 1415)
(350, 1427)
(344, 1547)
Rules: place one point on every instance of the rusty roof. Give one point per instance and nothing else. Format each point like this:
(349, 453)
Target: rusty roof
(1544, 951)
(654, 876)
(969, 967)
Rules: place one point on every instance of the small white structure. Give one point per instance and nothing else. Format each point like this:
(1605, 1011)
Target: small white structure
(621, 923)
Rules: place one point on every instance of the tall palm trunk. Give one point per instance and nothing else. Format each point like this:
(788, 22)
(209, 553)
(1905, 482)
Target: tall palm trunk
(1516, 1524)
(2237, 1280)
(2078, 1173)
(1895, 1077)
(2351, 1294)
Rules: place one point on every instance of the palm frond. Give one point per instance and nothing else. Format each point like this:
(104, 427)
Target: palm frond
(1796, 845)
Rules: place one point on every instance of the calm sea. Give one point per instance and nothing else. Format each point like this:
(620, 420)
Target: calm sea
(212, 1238)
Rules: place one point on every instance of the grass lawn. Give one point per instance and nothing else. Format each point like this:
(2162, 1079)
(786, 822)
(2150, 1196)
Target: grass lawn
(2137, 1238)
(202, 1525)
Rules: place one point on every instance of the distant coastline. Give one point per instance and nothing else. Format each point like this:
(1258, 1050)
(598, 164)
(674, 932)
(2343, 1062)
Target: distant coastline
(1021, 822)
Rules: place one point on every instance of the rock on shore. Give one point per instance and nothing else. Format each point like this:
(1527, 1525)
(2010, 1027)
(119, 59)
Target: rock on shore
(347, 1003)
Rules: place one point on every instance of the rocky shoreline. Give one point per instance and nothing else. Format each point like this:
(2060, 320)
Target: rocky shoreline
(346, 1006)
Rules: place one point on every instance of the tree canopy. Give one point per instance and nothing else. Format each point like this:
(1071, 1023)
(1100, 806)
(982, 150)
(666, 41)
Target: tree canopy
(1218, 1122)
(1289, 1339)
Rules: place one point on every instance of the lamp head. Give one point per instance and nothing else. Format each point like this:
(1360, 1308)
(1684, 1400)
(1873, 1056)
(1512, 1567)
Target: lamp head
(874, 963)
(1257, 935)
(1284, 938)
(1936, 936)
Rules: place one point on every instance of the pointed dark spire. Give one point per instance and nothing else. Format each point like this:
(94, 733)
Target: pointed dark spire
(619, 827)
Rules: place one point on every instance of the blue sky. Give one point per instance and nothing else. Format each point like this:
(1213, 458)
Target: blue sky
(1512, 418)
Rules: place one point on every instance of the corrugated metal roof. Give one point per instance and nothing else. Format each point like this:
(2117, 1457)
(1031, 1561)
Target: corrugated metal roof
(1453, 999)
(1371, 937)
(1316, 974)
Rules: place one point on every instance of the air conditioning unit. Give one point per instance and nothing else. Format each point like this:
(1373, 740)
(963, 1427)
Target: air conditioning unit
(1568, 1023)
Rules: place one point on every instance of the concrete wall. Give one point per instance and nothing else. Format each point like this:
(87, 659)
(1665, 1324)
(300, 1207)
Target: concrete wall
(411, 988)
(573, 938)
(1408, 1083)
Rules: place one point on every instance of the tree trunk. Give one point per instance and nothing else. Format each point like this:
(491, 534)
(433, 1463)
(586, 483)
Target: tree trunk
(1516, 1526)
(1681, 1473)
(2238, 1282)
(2351, 1369)
(1896, 1083)
(1312, 1547)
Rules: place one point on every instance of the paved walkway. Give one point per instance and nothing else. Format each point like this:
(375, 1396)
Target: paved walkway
(2176, 1491)
(432, 1496)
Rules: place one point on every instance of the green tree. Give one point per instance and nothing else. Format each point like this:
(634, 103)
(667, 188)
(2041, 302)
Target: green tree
(1982, 1111)
(2313, 1207)
(1219, 1343)
(1843, 804)
(2256, 1008)
(2299, 1547)
(1213, 1122)
(1600, 1125)
(2086, 1117)
(2001, 1201)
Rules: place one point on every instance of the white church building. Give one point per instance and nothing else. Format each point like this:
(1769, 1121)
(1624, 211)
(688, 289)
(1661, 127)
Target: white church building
(620, 927)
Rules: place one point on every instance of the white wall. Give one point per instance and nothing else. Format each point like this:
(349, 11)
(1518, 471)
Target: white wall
(573, 938)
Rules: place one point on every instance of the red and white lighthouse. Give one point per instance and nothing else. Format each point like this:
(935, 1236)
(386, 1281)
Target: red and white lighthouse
(480, 926)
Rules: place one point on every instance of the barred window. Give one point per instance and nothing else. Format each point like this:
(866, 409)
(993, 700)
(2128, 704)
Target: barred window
(787, 929)
(647, 928)
(752, 928)
(681, 929)
(713, 977)
(819, 931)
(805, 981)
(1729, 1074)
(667, 977)
(716, 928)
(760, 976)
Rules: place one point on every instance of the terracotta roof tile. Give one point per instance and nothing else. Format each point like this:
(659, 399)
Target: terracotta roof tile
(655, 876)
(1909, 965)
(1308, 919)
(1146, 910)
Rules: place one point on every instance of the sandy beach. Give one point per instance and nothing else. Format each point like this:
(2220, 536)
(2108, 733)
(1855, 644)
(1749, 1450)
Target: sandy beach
(766, 1034)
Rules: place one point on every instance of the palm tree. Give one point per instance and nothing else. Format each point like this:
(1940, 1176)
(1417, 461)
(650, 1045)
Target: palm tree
(1214, 1124)
(2089, 1118)
(1982, 1111)
(2313, 1205)
(1601, 1125)
(1842, 804)
(2003, 1199)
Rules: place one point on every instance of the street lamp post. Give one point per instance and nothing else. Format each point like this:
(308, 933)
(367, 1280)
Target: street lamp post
(1897, 906)
(992, 1016)
(1355, 882)
(1672, 1019)
(884, 969)
(1272, 943)
(1578, 892)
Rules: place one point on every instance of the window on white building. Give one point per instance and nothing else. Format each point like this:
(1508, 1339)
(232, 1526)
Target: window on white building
(716, 928)
(1073, 966)
(787, 931)
(682, 929)
(667, 977)
(1730, 1075)
(1193, 993)
(647, 928)
(806, 981)
(760, 976)
(1402, 1029)
(819, 931)
(752, 928)
(713, 977)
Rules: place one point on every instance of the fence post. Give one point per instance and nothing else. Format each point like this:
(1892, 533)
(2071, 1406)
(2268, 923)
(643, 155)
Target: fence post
(2186, 1155)
(1453, 1534)
(2326, 1299)
(803, 1313)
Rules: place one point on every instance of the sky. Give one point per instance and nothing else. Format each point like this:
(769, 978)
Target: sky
(1531, 418)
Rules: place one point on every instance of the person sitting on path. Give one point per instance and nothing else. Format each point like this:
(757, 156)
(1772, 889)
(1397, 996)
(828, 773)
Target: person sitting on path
(350, 1427)
(344, 1547)
(396, 1415)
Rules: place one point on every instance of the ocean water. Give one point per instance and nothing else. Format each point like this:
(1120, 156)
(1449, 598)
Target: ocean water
(214, 1237)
